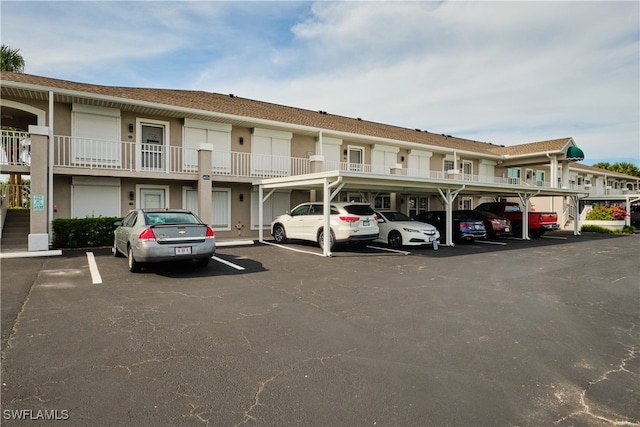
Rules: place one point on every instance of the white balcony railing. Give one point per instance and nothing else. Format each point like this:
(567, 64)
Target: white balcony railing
(131, 156)
(72, 152)
(16, 148)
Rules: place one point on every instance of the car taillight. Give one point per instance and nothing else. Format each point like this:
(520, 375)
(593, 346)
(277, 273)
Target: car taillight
(346, 218)
(375, 217)
(465, 225)
(147, 235)
(210, 233)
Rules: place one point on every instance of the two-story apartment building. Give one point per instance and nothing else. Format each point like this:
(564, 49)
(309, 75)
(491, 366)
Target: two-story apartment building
(101, 150)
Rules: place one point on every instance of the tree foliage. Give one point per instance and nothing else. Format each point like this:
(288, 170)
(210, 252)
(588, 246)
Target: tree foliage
(620, 167)
(11, 59)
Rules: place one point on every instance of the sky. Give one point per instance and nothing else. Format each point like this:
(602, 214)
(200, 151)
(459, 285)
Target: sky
(508, 72)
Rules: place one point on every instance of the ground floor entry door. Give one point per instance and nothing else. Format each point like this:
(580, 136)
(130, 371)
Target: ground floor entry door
(417, 204)
(152, 198)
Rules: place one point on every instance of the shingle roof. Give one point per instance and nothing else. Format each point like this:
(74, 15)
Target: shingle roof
(233, 105)
(552, 145)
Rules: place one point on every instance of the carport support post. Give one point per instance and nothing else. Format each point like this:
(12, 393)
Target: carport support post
(576, 217)
(326, 211)
(524, 200)
(205, 157)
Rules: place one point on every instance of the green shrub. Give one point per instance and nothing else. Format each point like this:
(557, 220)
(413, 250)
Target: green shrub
(83, 232)
(628, 229)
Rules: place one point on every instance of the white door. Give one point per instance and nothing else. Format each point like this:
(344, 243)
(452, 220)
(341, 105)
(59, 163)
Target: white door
(152, 198)
(356, 157)
(153, 157)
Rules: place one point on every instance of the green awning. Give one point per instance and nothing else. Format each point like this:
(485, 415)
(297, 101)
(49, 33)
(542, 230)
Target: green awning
(574, 154)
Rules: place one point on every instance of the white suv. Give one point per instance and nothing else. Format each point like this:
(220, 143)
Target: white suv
(350, 222)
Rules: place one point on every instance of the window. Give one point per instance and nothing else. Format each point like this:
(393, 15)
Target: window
(448, 165)
(383, 158)
(513, 175)
(382, 202)
(218, 135)
(540, 178)
(465, 203)
(331, 151)
(96, 135)
(221, 209)
(271, 152)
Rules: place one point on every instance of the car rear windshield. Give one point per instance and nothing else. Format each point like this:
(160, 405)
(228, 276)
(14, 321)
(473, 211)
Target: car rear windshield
(359, 209)
(170, 218)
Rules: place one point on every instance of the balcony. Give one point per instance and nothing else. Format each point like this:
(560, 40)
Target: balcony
(135, 157)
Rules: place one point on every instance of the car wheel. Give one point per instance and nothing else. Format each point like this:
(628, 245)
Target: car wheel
(134, 266)
(279, 234)
(394, 239)
(116, 252)
(332, 242)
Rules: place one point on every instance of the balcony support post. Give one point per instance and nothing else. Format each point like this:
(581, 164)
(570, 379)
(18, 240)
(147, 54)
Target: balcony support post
(38, 239)
(205, 156)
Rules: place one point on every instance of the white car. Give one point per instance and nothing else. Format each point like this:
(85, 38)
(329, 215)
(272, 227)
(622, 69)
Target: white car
(350, 222)
(397, 230)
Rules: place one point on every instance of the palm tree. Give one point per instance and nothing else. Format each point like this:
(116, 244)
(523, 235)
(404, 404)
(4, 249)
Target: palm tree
(11, 60)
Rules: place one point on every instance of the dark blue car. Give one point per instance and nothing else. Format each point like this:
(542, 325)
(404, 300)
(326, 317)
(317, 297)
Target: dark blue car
(465, 228)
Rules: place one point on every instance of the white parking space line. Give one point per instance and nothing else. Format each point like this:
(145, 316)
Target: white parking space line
(389, 250)
(225, 262)
(491, 242)
(553, 237)
(93, 268)
(292, 249)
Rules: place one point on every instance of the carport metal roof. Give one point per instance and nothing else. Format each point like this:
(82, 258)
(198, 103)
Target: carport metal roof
(447, 188)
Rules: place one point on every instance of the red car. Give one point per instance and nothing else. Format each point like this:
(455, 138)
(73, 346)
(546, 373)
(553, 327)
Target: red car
(495, 225)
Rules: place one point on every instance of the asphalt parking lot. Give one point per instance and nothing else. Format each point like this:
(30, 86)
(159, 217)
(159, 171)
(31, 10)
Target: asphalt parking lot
(543, 332)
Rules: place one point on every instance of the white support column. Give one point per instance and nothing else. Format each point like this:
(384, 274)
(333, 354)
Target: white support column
(326, 211)
(260, 213)
(576, 217)
(553, 169)
(565, 174)
(448, 200)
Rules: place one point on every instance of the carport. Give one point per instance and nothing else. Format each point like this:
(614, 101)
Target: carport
(332, 182)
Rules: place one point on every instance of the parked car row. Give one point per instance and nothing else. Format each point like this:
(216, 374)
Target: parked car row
(359, 223)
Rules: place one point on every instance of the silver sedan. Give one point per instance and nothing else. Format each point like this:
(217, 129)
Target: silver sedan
(161, 235)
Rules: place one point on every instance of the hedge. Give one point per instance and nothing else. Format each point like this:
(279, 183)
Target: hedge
(83, 232)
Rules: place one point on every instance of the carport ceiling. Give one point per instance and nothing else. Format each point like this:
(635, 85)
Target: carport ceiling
(356, 181)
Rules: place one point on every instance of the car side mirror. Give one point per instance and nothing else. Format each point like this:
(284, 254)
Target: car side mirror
(380, 221)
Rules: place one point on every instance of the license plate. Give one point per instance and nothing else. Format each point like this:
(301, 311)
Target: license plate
(186, 250)
(365, 223)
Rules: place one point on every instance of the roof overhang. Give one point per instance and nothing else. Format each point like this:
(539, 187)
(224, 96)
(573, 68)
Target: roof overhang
(356, 181)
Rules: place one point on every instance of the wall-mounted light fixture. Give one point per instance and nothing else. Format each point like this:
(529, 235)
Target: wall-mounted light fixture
(241, 140)
(241, 197)
(130, 127)
(402, 158)
(131, 195)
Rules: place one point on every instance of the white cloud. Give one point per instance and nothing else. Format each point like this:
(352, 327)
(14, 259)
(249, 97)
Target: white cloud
(505, 72)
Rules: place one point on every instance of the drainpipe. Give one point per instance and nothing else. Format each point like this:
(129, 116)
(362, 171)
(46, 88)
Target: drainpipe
(50, 177)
